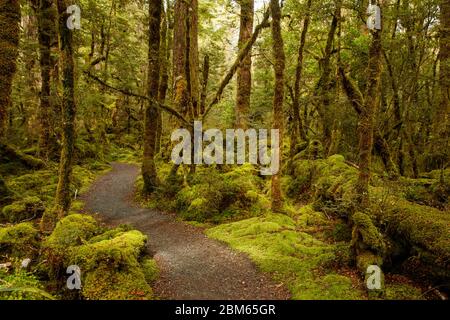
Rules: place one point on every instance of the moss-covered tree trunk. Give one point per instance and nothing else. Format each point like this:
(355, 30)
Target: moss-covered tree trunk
(46, 25)
(193, 57)
(323, 88)
(244, 72)
(443, 127)
(152, 115)
(9, 43)
(180, 59)
(63, 193)
(298, 130)
(278, 99)
(366, 119)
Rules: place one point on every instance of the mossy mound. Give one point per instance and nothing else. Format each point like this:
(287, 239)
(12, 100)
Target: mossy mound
(40, 183)
(26, 209)
(150, 269)
(110, 268)
(215, 196)
(433, 189)
(328, 182)
(302, 262)
(71, 231)
(20, 240)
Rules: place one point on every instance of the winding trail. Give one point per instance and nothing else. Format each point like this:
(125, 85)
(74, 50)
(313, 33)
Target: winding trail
(192, 265)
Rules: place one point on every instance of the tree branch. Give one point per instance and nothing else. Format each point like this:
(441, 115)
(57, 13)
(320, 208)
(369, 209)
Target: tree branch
(241, 56)
(126, 92)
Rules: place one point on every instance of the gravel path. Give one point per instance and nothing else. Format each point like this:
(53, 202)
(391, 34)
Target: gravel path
(192, 265)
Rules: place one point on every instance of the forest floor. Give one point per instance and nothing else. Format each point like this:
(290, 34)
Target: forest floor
(192, 266)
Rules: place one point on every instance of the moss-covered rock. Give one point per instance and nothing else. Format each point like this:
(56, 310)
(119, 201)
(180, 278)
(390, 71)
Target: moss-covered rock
(110, 268)
(20, 240)
(25, 209)
(72, 230)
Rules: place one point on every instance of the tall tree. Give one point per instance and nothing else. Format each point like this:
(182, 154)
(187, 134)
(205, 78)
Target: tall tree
(298, 130)
(444, 73)
(244, 72)
(366, 117)
(9, 43)
(149, 173)
(63, 195)
(180, 59)
(278, 99)
(45, 17)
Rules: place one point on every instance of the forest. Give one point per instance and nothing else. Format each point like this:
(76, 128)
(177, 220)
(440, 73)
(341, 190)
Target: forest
(224, 150)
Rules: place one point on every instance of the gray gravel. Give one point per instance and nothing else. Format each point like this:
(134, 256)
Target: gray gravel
(192, 265)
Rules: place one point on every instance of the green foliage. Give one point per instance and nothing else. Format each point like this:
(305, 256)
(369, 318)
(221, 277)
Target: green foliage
(21, 285)
(25, 209)
(19, 240)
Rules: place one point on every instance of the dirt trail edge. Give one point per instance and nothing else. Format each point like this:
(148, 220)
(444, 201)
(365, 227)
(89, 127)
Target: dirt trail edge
(192, 265)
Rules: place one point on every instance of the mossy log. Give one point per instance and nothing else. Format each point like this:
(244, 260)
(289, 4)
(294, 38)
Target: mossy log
(9, 154)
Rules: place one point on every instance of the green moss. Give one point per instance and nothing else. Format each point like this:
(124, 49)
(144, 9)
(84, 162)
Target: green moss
(27, 208)
(72, 231)
(111, 269)
(104, 283)
(108, 235)
(307, 217)
(150, 270)
(295, 258)
(402, 292)
(20, 240)
(366, 235)
(40, 183)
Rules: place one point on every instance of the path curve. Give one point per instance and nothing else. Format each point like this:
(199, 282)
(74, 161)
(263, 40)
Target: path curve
(192, 265)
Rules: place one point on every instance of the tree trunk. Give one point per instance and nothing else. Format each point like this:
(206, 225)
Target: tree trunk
(46, 25)
(366, 119)
(322, 91)
(180, 59)
(193, 68)
(9, 43)
(63, 194)
(279, 66)
(151, 113)
(444, 77)
(298, 130)
(244, 72)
